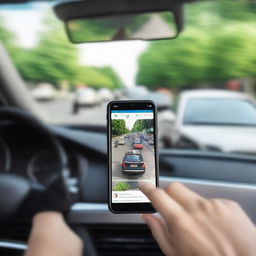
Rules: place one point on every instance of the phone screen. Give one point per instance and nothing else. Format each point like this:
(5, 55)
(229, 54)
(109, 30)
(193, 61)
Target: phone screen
(133, 152)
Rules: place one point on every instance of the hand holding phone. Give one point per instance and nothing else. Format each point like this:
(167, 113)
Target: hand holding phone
(132, 154)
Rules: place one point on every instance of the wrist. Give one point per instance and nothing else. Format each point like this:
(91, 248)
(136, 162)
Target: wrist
(51, 235)
(48, 218)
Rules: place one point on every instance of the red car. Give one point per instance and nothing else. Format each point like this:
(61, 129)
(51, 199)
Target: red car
(138, 144)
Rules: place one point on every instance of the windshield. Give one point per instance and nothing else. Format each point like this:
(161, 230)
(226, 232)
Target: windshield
(72, 84)
(132, 158)
(219, 112)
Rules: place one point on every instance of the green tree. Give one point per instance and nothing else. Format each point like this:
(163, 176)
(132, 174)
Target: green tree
(111, 74)
(235, 56)
(118, 127)
(99, 77)
(6, 36)
(142, 124)
(218, 44)
(93, 77)
(174, 64)
(54, 59)
(105, 28)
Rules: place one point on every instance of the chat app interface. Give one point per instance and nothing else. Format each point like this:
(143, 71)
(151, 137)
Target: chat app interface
(133, 156)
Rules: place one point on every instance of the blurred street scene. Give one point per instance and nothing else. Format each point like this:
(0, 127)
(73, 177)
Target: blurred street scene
(203, 83)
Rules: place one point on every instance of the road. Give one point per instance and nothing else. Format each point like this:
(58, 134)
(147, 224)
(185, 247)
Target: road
(60, 110)
(148, 157)
(156, 27)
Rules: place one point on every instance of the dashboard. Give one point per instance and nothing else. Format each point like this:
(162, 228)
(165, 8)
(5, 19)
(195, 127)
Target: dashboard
(211, 174)
(24, 152)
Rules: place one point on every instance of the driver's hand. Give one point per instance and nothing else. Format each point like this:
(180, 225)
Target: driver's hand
(193, 225)
(51, 236)
(55, 198)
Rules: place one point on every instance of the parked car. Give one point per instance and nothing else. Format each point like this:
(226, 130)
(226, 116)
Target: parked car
(216, 120)
(166, 122)
(44, 92)
(85, 97)
(121, 141)
(105, 94)
(133, 163)
(118, 94)
(151, 142)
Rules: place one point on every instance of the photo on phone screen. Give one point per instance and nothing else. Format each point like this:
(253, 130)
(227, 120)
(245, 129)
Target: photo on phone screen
(133, 153)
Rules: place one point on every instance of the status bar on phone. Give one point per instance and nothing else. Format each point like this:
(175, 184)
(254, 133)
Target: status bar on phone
(145, 115)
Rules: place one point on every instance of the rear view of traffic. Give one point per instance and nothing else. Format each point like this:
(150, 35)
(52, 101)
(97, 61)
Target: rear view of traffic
(132, 150)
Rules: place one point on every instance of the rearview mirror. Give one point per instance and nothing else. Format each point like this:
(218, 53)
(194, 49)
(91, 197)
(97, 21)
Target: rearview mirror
(98, 20)
(143, 26)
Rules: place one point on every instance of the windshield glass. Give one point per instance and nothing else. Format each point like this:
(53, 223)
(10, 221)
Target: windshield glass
(219, 112)
(132, 158)
(72, 84)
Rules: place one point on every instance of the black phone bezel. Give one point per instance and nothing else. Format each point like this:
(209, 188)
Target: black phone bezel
(128, 105)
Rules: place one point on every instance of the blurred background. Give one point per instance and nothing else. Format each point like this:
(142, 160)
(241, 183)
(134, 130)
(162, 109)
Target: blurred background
(203, 82)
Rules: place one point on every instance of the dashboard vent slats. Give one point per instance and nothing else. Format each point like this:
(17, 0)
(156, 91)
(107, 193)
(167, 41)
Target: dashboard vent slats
(124, 240)
(15, 231)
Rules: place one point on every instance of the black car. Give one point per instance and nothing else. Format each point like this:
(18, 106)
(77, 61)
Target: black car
(133, 163)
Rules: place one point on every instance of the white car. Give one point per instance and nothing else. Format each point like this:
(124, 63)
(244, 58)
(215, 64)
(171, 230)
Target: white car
(216, 120)
(44, 92)
(151, 142)
(85, 97)
(105, 94)
(166, 121)
(121, 142)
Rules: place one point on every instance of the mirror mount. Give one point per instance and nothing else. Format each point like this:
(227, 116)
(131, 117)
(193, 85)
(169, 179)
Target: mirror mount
(80, 9)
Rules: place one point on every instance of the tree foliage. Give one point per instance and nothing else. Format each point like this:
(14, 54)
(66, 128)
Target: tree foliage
(111, 74)
(54, 59)
(106, 28)
(142, 124)
(6, 36)
(118, 127)
(218, 44)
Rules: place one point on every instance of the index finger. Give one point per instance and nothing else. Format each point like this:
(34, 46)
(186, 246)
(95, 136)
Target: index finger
(161, 201)
(187, 198)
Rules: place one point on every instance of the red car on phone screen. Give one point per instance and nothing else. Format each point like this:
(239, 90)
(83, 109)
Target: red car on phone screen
(138, 144)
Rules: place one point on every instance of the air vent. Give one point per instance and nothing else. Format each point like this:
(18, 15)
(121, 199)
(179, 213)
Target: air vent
(125, 240)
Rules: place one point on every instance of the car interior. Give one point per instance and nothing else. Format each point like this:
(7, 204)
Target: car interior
(35, 145)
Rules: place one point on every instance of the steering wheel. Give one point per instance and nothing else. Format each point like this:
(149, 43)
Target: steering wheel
(14, 189)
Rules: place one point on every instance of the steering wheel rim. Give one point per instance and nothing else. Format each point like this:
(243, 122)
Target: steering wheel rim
(15, 189)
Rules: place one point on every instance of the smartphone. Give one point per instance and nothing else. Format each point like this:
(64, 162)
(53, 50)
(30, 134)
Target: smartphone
(132, 154)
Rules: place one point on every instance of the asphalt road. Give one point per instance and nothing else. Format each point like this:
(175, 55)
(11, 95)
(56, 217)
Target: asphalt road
(148, 157)
(61, 112)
